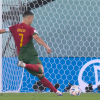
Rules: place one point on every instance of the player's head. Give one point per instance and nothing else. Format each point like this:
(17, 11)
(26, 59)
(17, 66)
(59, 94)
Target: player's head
(28, 16)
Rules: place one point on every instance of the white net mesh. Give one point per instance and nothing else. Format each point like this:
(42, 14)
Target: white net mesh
(70, 28)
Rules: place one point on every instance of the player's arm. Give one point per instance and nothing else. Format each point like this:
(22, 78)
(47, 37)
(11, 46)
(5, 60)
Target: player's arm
(41, 42)
(4, 30)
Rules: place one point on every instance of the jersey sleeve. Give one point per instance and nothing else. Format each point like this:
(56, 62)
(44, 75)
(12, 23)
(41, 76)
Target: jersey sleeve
(33, 31)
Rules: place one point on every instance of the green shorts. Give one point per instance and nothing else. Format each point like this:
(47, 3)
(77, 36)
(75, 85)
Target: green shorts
(30, 59)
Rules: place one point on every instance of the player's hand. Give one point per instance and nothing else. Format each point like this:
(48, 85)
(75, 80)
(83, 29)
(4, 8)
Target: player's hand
(49, 50)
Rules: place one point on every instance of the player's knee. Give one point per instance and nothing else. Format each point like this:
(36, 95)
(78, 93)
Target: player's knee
(42, 71)
(41, 67)
(39, 75)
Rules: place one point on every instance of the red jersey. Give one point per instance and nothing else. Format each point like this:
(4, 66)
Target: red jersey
(22, 34)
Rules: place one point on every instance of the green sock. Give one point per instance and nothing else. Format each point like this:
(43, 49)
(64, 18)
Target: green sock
(40, 71)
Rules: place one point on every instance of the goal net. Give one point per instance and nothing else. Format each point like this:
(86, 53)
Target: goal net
(70, 28)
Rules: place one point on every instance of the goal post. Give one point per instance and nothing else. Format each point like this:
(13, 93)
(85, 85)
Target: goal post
(0, 47)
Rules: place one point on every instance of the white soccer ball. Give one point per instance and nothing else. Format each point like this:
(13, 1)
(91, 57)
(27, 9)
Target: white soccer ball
(75, 90)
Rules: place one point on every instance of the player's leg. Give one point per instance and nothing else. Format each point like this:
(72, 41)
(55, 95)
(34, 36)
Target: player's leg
(34, 67)
(37, 62)
(29, 62)
(45, 82)
(48, 84)
(41, 67)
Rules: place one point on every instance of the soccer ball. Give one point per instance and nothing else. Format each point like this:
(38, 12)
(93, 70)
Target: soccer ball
(75, 90)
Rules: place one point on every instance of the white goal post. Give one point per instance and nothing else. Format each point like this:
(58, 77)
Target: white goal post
(0, 46)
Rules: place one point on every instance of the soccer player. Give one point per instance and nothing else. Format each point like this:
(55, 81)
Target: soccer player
(23, 34)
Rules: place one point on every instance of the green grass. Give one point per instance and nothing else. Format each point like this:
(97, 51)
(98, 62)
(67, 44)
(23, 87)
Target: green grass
(47, 96)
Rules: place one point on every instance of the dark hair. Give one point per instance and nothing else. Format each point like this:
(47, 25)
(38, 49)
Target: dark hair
(26, 13)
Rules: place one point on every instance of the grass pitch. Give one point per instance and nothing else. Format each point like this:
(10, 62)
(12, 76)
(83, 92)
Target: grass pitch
(47, 96)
